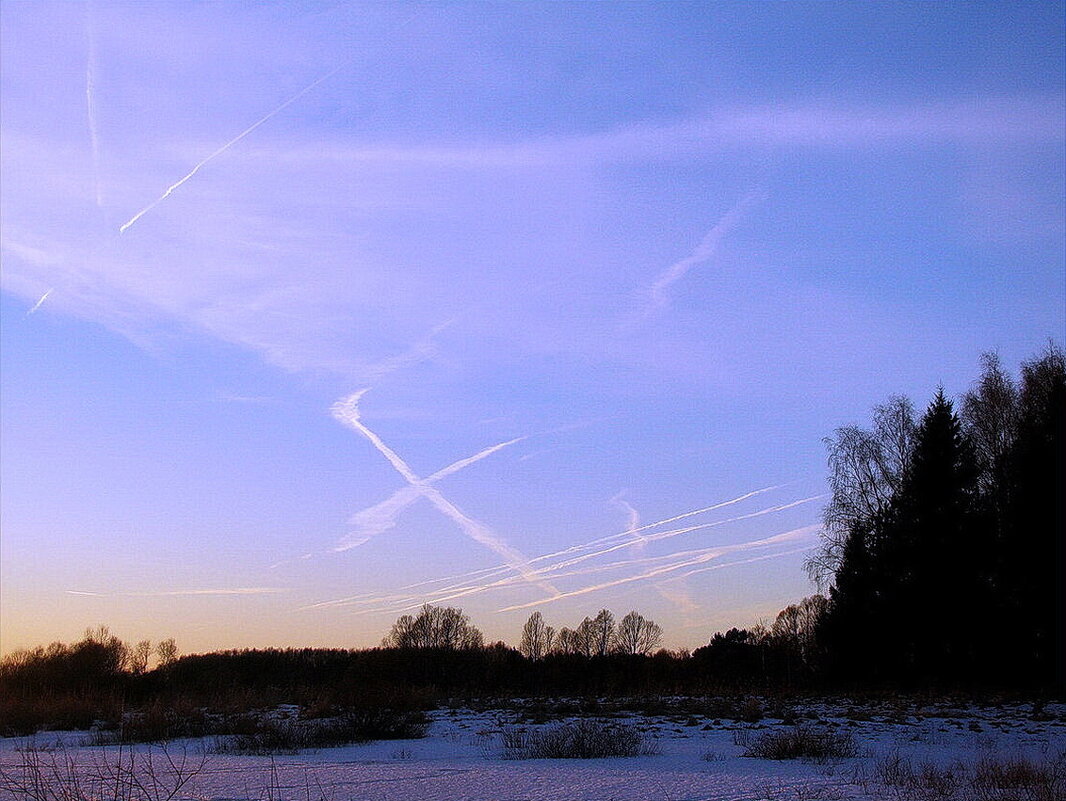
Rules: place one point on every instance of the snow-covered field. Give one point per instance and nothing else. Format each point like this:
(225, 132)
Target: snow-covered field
(462, 758)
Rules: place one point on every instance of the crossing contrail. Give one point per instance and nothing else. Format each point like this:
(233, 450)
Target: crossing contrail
(347, 412)
(226, 147)
(381, 517)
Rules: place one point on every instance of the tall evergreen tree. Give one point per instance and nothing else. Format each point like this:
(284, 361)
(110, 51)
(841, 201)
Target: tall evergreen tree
(931, 550)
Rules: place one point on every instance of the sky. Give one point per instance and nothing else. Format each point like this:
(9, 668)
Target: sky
(315, 312)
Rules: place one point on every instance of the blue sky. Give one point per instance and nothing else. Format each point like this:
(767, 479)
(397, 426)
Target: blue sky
(636, 258)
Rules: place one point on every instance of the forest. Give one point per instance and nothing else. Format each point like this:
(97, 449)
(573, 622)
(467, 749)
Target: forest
(941, 562)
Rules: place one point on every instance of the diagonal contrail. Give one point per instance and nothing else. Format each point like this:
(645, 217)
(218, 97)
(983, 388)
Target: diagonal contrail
(227, 146)
(40, 300)
(700, 558)
(703, 252)
(656, 567)
(347, 412)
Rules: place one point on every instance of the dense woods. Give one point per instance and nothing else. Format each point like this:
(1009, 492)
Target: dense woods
(942, 560)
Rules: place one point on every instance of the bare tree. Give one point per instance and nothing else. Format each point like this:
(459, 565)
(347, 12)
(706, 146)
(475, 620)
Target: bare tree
(139, 656)
(602, 633)
(434, 627)
(865, 470)
(537, 637)
(568, 641)
(115, 653)
(636, 635)
(166, 652)
(586, 638)
(990, 419)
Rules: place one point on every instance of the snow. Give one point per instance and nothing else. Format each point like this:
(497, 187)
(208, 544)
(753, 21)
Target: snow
(700, 758)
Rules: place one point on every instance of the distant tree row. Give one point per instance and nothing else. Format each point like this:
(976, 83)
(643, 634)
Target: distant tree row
(99, 658)
(943, 545)
(449, 629)
(598, 636)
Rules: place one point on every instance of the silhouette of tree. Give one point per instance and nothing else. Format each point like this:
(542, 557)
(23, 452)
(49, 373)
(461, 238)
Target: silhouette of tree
(602, 633)
(866, 468)
(537, 638)
(166, 652)
(636, 635)
(446, 628)
(568, 642)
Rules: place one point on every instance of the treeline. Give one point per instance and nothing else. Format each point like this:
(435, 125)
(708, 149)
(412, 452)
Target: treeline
(944, 536)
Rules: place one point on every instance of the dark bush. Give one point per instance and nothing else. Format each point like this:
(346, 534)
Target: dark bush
(803, 742)
(581, 739)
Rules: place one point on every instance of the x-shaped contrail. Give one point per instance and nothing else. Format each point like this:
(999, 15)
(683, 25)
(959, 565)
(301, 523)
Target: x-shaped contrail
(347, 412)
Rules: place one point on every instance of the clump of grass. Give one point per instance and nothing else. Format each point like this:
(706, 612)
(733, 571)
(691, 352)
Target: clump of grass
(802, 742)
(581, 739)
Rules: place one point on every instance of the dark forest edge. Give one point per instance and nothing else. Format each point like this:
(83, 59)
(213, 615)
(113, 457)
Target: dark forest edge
(942, 557)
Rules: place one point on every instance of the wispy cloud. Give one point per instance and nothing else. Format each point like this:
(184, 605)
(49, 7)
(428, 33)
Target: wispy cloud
(176, 593)
(705, 251)
(90, 98)
(225, 147)
(346, 411)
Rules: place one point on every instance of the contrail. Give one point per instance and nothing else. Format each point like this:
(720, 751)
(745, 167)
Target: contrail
(90, 98)
(552, 572)
(703, 252)
(382, 516)
(490, 572)
(347, 412)
(41, 300)
(688, 558)
(633, 517)
(227, 146)
(695, 560)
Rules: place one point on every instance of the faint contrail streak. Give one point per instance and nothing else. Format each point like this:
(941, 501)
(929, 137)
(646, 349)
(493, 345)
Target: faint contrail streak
(226, 147)
(41, 300)
(703, 252)
(490, 572)
(702, 558)
(552, 572)
(382, 516)
(347, 412)
(633, 518)
(688, 559)
(90, 98)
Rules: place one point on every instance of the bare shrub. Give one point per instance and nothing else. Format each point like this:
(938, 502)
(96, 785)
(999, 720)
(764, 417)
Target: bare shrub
(990, 778)
(581, 739)
(803, 742)
(159, 774)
